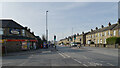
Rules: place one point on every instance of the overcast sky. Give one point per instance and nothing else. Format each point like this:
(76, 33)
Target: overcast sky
(62, 16)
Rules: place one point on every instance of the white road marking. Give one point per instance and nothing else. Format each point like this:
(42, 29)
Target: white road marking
(46, 51)
(66, 55)
(84, 64)
(77, 61)
(85, 57)
(95, 64)
(110, 64)
(62, 55)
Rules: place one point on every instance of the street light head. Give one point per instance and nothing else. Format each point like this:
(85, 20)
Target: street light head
(46, 11)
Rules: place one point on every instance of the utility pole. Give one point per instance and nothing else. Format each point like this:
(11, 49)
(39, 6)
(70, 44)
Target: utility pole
(46, 28)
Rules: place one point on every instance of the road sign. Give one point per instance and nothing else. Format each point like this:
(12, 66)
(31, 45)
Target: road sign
(74, 37)
(54, 37)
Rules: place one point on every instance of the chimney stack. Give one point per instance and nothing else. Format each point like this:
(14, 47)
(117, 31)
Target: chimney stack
(82, 32)
(91, 30)
(32, 32)
(26, 28)
(102, 26)
(109, 24)
(96, 28)
(29, 29)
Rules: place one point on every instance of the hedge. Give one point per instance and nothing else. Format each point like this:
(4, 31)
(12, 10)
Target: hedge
(113, 40)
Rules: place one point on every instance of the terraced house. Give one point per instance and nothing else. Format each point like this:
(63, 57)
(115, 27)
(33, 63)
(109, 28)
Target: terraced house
(99, 36)
(81, 39)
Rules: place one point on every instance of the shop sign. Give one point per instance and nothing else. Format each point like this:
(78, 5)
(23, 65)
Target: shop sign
(1, 41)
(15, 40)
(14, 31)
(24, 45)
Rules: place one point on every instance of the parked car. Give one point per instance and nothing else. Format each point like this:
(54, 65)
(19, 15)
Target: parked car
(73, 44)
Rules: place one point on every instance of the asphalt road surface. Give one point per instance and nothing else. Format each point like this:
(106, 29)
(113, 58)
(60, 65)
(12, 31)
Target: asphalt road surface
(65, 56)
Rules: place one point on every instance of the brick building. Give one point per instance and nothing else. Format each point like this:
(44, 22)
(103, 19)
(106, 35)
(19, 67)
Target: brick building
(15, 37)
(99, 36)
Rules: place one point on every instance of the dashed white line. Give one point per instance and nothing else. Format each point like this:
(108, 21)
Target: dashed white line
(62, 55)
(85, 57)
(110, 64)
(77, 61)
(66, 55)
(84, 64)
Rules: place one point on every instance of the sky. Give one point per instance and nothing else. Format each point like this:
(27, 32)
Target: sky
(62, 16)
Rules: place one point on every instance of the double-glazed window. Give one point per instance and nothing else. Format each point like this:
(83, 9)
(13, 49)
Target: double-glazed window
(98, 34)
(105, 40)
(105, 33)
(1, 31)
(114, 32)
(109, 32)
(101, 34)
(23, 32)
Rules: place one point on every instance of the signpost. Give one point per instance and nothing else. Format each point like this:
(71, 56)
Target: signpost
(55, 41)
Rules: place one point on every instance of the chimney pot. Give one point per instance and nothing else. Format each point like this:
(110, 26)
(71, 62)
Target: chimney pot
(109, 24)
(82, 32)
(96, 28)
(102, 26)
(29, 30)
(26, 28)
(91, 30)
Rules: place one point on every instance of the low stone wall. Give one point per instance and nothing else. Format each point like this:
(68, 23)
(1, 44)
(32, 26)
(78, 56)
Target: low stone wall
(103, 46)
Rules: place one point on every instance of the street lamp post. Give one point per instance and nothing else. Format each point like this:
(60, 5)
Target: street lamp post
(46, 28)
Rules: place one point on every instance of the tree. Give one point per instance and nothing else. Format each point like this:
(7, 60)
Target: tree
(43, 38)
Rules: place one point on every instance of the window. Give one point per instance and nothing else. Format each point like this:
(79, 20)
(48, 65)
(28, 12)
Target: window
(114, 32)
(98, 40)
(119, 32)
(98, 34)
(92, 36)
(101, 34)
(105, 40)
(105, 33)
(109, 32)
(1, 31)
(23, 32)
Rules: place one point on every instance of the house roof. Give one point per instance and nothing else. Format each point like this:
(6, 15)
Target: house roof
(103, 29)
(9, 23)
(117, 27)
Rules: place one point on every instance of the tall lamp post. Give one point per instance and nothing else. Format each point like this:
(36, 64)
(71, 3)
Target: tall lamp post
(46, 28)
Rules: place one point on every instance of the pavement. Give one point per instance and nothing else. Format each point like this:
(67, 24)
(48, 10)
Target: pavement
(64, 56)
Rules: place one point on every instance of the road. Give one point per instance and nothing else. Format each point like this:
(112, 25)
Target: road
(65, 56)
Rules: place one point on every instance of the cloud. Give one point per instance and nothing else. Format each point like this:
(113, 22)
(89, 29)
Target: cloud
(72, 6)
(59, 0)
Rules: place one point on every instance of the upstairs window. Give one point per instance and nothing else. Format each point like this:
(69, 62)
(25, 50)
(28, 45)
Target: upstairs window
(105, 33)
(23, 32)
(101, 34)
(98, 34)
(114, 32)
(109, 32)
(1, 31)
